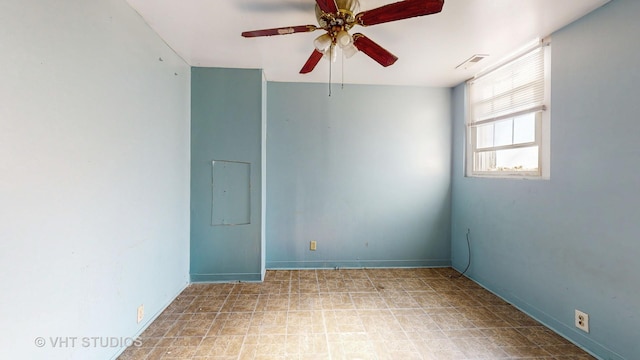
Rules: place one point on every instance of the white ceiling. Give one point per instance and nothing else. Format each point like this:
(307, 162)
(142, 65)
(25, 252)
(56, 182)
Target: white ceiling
(206, 33)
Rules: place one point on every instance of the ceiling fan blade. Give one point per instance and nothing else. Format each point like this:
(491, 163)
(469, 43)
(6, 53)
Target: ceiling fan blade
(373, 50)
(311, 63)
(280, 31)
(327, 6)
(398, 11)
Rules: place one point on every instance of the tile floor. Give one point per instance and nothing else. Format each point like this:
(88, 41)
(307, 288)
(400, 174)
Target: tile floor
(347, 314)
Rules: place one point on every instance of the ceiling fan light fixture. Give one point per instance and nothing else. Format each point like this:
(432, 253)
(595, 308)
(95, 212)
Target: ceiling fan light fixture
(343, 39)
(331, 53)
(349, 51)
(323, 42)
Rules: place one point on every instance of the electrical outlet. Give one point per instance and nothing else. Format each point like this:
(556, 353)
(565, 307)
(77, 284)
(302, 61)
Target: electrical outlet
(140, 313)
(312, 246)
(582, 320)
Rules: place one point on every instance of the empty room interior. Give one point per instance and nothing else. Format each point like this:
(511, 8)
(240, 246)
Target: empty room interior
(170, 189)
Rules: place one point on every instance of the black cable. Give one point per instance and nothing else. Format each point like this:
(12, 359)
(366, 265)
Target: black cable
(469, 260)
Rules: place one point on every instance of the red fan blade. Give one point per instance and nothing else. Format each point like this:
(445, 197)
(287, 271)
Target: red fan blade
(328, 6)
(399, 10)
(280, 31)
(373, 50)
(312, 62)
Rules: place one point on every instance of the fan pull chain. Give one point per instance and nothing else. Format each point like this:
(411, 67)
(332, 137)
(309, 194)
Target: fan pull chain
(342, 70)
(330, 63)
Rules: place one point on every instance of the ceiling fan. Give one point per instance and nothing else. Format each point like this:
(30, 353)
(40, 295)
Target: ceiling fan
(337, 17)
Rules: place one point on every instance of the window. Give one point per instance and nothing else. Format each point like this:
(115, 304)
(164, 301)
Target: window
(508, 118)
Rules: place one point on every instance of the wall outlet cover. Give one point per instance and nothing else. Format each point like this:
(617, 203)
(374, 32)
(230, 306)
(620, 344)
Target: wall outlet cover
(582, 320)
(140, 313)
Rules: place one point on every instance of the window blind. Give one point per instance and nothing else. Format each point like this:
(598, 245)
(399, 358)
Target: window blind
(514, 88)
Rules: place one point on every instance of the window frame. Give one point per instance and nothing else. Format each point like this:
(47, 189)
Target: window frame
(542, 123)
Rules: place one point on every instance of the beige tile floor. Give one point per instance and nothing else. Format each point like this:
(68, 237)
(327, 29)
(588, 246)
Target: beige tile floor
(348, 314)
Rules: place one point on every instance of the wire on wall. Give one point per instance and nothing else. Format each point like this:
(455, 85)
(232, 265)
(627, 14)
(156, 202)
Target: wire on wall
(469, 259)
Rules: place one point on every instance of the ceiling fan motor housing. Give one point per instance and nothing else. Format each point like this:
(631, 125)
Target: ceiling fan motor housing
(344, 19)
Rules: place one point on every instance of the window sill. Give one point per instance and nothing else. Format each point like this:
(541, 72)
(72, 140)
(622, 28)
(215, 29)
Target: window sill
(508, 176)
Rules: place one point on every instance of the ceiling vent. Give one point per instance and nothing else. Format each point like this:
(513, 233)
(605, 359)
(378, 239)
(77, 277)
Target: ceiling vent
(471, 61)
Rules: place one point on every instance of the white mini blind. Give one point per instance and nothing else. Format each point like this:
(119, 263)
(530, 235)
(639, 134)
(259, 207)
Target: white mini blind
(515, 88)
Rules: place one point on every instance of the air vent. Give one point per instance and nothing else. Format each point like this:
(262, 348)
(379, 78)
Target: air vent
(471, 61)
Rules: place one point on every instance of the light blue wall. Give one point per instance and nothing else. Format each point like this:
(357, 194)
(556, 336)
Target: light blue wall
(94, 175)
(365, 173)
(571, 242)
(226, 124)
